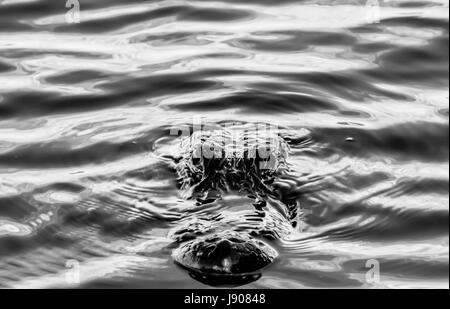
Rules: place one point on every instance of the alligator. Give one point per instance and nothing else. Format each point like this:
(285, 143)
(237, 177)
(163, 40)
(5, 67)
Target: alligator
(232, 249)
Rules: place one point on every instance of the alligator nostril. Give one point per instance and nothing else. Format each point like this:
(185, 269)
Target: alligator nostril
(221, 253)
(223, 246)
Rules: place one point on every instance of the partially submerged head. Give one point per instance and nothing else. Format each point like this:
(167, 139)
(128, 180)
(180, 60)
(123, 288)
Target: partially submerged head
(222, 160)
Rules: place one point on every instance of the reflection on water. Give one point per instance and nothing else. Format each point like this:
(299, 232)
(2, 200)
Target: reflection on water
(86, 109)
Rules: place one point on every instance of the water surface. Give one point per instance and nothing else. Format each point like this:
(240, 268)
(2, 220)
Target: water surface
(86, 110)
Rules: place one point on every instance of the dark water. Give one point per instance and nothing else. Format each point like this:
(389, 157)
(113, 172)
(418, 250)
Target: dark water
(86, 110)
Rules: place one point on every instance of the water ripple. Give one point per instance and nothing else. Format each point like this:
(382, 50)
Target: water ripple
(87, 155)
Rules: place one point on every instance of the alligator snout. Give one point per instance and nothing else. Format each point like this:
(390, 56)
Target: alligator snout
(227, 256)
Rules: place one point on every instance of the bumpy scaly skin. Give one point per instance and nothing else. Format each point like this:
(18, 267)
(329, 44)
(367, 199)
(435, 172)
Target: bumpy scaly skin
(222, 160)
(213, 163)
